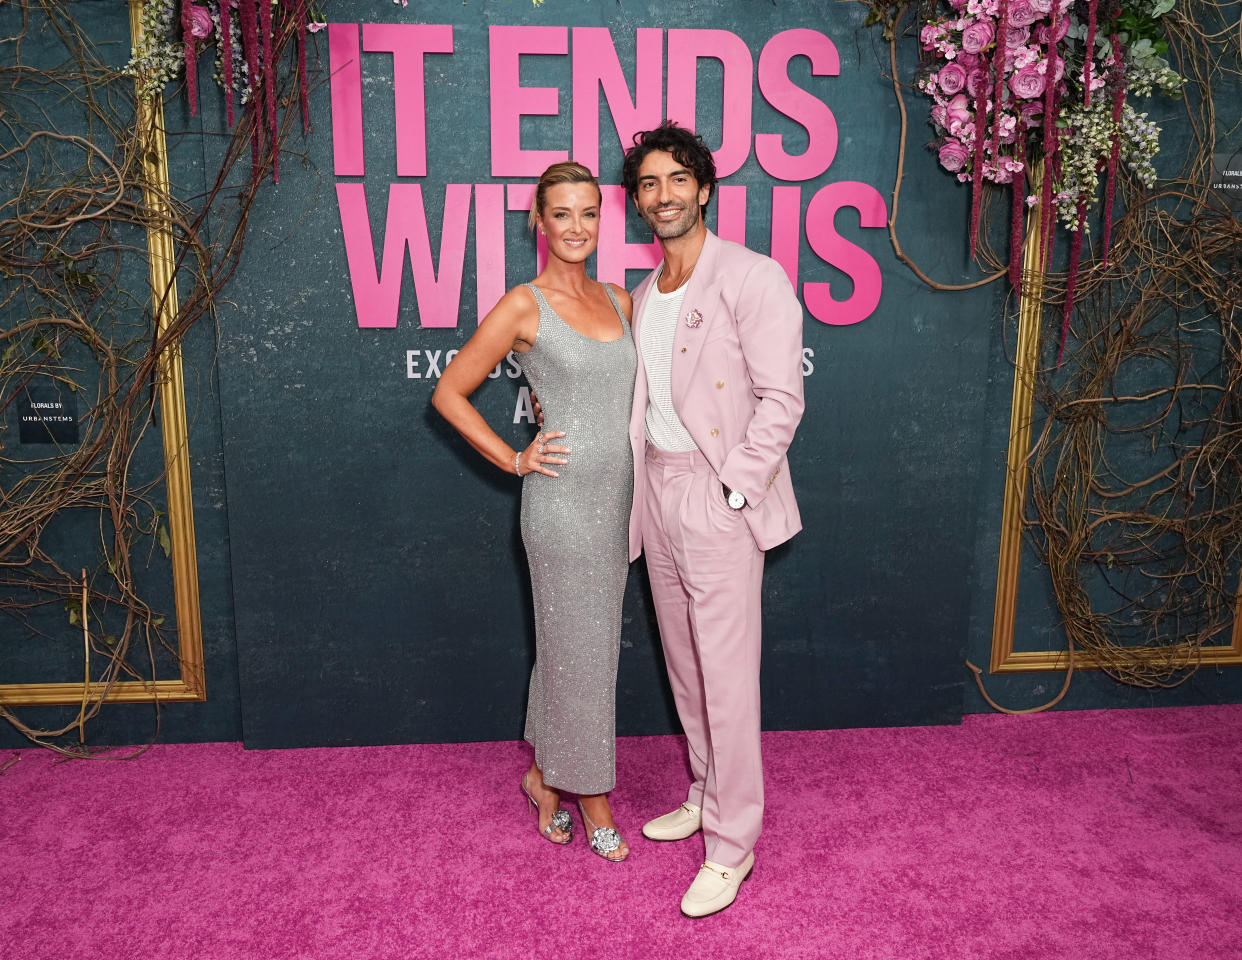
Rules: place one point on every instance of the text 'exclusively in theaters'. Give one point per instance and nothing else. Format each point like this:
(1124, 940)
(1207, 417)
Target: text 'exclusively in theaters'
(430, 364)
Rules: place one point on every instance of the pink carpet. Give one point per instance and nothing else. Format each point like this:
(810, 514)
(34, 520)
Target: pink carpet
(1077, 836)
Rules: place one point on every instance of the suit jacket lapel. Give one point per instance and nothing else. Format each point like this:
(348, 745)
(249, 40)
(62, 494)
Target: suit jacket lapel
(696, 317)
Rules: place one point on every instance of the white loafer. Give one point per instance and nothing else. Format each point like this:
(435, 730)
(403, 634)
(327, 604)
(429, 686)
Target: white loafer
(715, 887)
(683, 822)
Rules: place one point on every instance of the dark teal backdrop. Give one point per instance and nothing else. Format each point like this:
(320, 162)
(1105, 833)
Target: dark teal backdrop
(379, 581)
(363, 577)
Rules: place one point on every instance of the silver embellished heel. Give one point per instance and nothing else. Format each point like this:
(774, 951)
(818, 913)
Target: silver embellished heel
(603, 840)
(560, 820)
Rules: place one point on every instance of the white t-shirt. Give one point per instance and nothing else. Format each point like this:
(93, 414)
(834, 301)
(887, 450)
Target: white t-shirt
(659, 323)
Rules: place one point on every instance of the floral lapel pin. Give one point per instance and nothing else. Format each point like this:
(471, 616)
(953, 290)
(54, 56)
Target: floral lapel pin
(694, 319)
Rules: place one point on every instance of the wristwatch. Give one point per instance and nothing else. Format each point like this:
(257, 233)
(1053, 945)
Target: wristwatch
(733, 497)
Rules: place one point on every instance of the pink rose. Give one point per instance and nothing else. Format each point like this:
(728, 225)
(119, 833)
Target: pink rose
(939, 115)
(952, 77)
(953, 155)
(1016, 36)
(200, 22)
(977, 36)
(958, 111)
(1042, 7)
(1031, 113)
(1027, 83)
(968, 60)
(1021, 13)
(1044, 32)
(977, 82)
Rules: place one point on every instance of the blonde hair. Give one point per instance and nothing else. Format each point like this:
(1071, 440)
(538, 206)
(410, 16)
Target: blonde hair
(564, 172)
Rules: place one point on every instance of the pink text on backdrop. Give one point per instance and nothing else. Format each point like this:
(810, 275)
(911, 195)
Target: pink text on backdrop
(595, 67)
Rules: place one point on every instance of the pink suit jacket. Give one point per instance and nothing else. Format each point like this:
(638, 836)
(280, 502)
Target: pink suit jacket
(736, 382)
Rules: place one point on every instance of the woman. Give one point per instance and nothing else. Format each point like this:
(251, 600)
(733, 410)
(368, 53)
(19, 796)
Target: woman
(572, 337)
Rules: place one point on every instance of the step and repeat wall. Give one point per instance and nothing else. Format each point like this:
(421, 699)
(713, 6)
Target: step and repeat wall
(379, 582)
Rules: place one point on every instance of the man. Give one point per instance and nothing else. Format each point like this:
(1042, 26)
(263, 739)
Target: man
(717, 398)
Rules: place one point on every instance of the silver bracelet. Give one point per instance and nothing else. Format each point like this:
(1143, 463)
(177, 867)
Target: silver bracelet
(517, 463)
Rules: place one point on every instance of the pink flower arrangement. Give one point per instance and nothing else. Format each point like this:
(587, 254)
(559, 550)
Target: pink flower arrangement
(1008, 78)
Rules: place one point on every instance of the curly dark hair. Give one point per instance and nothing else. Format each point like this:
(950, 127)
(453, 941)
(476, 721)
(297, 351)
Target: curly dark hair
(687, 149)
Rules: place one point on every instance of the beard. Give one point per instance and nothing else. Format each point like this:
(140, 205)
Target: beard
(672, 229)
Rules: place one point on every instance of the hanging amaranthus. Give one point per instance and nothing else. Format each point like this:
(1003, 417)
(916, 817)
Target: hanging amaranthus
(176, 33)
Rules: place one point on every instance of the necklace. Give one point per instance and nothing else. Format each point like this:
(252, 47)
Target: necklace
(680, 278)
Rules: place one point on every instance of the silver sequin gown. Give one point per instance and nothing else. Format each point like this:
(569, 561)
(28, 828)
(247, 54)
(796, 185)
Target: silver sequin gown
(576, 532)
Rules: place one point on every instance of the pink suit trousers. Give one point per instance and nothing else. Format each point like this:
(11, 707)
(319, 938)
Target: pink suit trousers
(706, 578)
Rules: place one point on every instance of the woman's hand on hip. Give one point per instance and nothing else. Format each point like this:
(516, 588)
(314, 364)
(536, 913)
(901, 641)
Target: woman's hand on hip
(542, 452)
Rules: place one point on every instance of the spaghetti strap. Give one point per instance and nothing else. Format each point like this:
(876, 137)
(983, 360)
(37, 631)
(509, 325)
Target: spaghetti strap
(540, 299)
(615, 305)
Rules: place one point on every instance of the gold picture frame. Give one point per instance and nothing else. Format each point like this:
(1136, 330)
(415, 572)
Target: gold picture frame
(1004, 658)
(190, 684)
